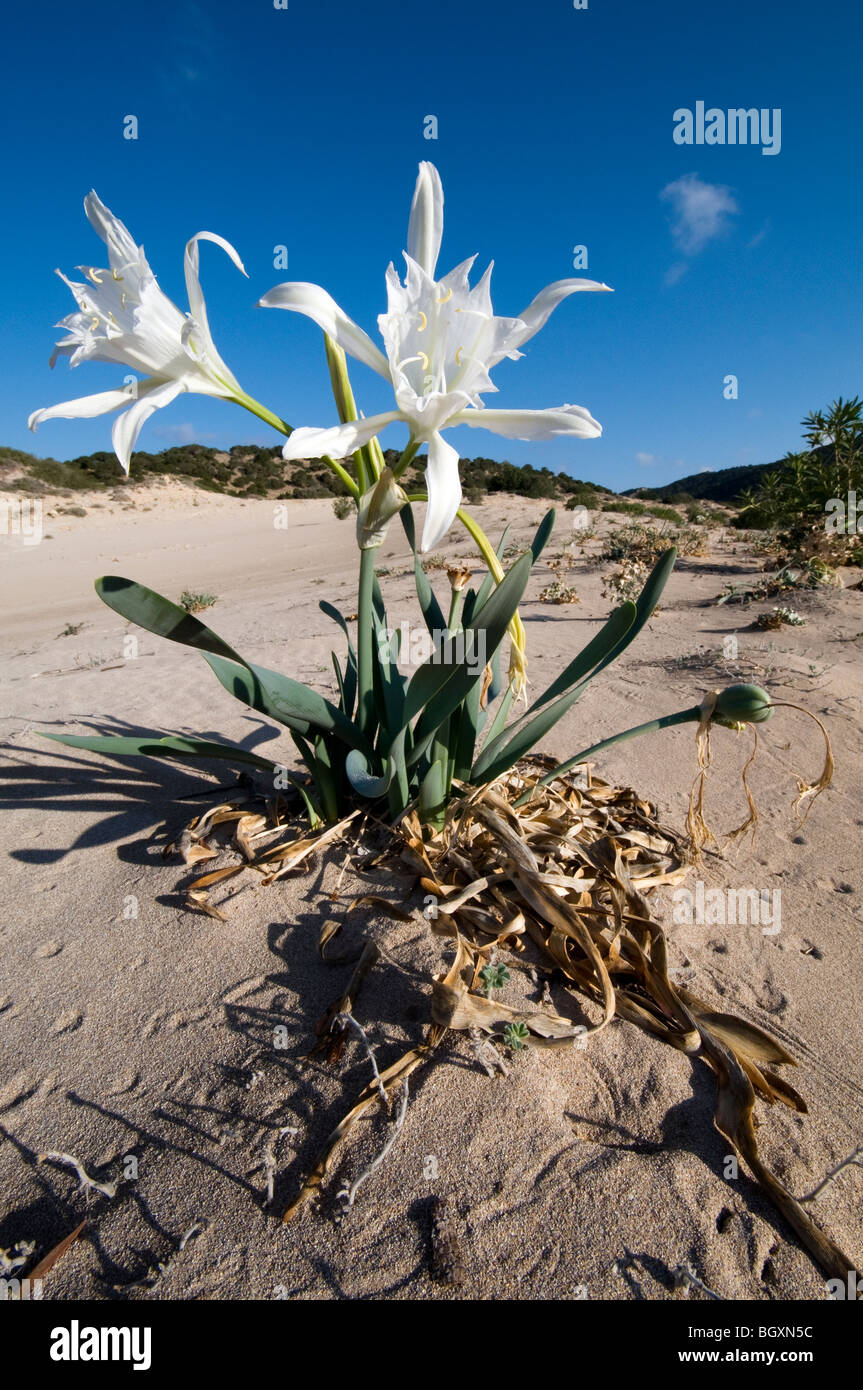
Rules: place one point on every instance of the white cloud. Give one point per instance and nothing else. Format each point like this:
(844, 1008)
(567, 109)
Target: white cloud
(645, 459)
(676, 272)
(759, 236)
(699, 212)
(185, 433)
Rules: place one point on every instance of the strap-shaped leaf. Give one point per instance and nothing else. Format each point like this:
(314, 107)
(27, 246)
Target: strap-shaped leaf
(467, 721)
(543, 533)
(645, 603)
(348, 681)
(365, 782)
(597, 650)
(506, 748)
(159, 615)
(442, 682)
(389, 681)
(285, 700)
(431, 802)
(181, 749)
(429, 606)
(485, 586)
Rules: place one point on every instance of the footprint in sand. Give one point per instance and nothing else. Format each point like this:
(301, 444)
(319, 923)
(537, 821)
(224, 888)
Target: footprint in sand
(126, 1082)
(182, 1020)
(68, 1022)
(22, 1085)
(772, 999)
(48, 949)
(153, 1024)
(246, 987)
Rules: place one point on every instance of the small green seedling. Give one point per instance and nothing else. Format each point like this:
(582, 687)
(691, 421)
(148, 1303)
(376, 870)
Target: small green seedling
(515, 1035)
(493, 977)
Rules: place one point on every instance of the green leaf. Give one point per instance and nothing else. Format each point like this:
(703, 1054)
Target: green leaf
(364, 781)
(429, 606)
(159, 615)
(446, 681)
(348, 684)
(499, 722)
(501, 752)
(181, 749)
(327, 769)
(431, 802)
(312, 810)
(286, 700)
(607, 640)
(543, 532)
(645, 603)
(485, 586)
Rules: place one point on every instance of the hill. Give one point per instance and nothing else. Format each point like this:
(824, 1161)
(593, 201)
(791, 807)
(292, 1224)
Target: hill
(248, 470)
(719, 485)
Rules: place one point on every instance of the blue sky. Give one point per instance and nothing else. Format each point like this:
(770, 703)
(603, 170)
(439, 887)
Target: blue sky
(303, 127)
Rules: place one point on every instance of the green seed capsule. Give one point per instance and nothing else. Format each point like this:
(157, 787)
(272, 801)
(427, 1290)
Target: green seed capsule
(742, 704)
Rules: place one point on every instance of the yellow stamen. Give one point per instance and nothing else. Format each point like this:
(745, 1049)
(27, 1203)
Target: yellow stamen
(444, 299)
(424, 361)
(424, 323)
(116, 276)
(123, 300)
(458, 354)
(95, 323)
(93, 276)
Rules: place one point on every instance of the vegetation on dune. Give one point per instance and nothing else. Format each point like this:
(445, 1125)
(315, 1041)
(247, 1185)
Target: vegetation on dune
(711, 485)
(250, 470)
(810, 499)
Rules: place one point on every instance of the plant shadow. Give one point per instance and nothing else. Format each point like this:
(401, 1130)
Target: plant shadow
(129, 796)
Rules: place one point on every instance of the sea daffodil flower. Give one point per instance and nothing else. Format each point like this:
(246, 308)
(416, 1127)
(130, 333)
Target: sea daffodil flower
(441, 338)
(123, 317)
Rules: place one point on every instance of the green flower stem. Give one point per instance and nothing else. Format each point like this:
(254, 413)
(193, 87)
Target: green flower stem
(454, 609)
(365, 636)
(250, 404)
(344, 475)
(684, 716)
(347, 406)
(407, 457)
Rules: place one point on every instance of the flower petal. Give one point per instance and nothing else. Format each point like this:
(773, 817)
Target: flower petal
(425, 229)
(84, 408)
(316, 304)
(540, 309)
(121, 248)
(533, 424)
(191, 266)
(127, 427)
(338, 441)
(444, 491)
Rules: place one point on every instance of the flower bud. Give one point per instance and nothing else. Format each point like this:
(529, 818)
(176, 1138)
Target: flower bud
(737, 705)
(376, 509)
(458, 576)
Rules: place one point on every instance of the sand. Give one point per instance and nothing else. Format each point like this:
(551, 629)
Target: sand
(140, 1038)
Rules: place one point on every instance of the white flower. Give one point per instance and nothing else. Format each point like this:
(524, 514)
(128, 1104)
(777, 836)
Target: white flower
(123, 317)
(441, 339)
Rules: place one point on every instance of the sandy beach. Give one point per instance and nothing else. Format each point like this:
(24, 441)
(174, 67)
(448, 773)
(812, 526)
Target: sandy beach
(138, 1037)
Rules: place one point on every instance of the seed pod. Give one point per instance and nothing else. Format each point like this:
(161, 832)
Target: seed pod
(737, 705)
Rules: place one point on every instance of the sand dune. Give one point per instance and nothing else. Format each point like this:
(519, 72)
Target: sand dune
(139, 1037)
